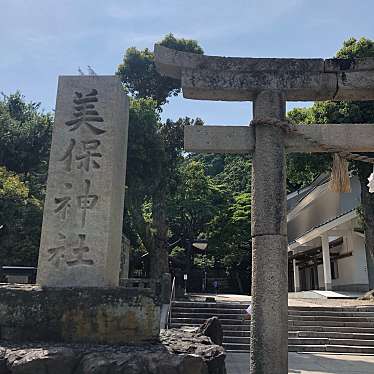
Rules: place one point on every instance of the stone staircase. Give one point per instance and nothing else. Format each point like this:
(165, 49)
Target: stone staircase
(310, 329)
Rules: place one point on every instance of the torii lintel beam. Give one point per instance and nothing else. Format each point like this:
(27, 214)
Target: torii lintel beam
(241, 79)
(241, 139)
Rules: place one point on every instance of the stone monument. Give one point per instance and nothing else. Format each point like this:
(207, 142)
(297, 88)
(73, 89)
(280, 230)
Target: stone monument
(269, 82)
(77, 297)
(83, 210)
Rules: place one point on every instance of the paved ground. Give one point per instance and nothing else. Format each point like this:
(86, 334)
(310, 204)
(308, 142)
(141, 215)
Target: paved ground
(309, 363)
(292, 301)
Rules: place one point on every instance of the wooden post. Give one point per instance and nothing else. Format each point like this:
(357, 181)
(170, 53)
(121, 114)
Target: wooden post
(269, 324)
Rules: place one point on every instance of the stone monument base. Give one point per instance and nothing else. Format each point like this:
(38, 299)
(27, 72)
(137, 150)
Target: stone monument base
(122, 315)
(177, 353)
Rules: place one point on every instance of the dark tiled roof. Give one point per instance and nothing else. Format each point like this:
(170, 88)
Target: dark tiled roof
(322, 224)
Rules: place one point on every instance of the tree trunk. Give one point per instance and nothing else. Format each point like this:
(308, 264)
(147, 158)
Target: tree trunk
(367, 201)
(159, 254)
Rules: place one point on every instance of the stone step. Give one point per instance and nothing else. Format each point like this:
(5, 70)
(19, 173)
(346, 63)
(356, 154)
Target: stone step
(200, 321)
(312, 345)
(194, 315)
(353, 309)
(309, 309)
(330, 313)
(331, 318)
(240, 314)
(237, 333)
(236, 347)
(369, 316)
(328, 341)
(219, 305)
(300, 324)
(331, 335)
(242, 328)
(334, 323)
(331, 348)
(354, 339)
(358, 330)
(236, 339)
(212, 311)
(322, 331)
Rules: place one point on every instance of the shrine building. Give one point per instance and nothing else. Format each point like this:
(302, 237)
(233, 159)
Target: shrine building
(326, 243)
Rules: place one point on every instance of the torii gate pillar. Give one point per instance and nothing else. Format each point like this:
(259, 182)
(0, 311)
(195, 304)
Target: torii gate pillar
(269, 323)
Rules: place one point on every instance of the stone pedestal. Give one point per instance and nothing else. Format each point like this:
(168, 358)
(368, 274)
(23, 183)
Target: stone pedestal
(80, 315)
(269, 323)
(83, 211)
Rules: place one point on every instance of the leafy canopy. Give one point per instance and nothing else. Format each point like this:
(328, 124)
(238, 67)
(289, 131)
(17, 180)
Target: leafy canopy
(140, 77)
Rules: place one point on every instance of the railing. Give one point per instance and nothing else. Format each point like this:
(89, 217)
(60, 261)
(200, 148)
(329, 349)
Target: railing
(172, 297)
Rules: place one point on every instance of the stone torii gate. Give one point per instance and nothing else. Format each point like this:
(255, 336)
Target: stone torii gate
(269, 83)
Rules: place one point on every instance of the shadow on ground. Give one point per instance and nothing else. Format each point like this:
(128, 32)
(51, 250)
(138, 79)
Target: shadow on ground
(309, 363)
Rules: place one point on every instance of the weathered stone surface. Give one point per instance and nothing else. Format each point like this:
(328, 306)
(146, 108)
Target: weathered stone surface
(349, 137)
(225, 139)
(171, 62)
(241, 79)
(213, 329)
(240, 139)
(82, 223)
(90, 315)
(269, 327)
(179, 341)
(355, 64)
(194, 355)
(355, 85)
(269, 322)
(244, 86)
(56, 360)
(268, 169)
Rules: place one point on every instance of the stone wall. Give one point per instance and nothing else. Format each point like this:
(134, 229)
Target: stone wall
(90, 315)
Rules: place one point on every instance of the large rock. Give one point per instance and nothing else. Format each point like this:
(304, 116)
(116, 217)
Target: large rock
(179, 341)
(213, 329)
(368, 296)
(177, 352)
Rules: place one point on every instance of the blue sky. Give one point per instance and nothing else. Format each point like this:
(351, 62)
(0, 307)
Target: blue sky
(41, 39)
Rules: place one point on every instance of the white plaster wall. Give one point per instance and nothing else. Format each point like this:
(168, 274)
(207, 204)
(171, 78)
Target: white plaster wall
(352, 270)
(346, 268)
(360, 273)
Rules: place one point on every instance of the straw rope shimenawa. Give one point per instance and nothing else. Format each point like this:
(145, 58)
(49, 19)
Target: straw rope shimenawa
(339, 181)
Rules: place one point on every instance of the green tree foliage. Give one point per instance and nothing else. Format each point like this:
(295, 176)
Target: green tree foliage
(20, 221)
(228, 230)
(25, 136)
(159, 146)
(303, 168)
(140, 77)
(196, 201)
